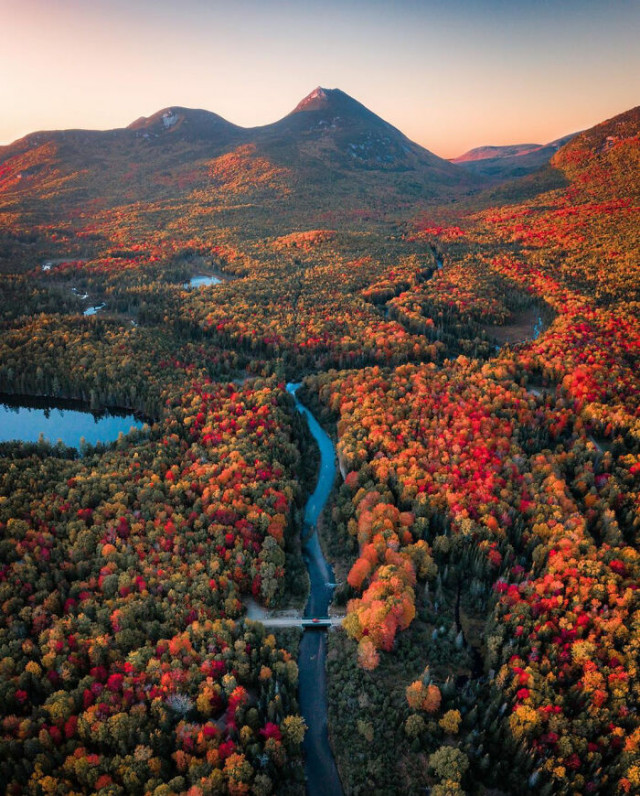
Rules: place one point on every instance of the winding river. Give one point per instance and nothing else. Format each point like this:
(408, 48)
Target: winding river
(320, 766)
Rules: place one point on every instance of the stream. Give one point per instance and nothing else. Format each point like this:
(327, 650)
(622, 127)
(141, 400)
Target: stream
(320, 767)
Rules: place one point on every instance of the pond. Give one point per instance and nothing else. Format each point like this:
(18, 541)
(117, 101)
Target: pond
(201, 281)
(94, 310)
(26, 419)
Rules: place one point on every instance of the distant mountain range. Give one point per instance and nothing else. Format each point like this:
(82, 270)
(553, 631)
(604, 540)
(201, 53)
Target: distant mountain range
(515, 160)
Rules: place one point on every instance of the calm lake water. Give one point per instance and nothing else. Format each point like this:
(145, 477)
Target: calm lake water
(26, 423)
(202, 281)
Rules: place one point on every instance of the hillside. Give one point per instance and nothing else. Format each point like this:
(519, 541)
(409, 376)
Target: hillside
(589, 229)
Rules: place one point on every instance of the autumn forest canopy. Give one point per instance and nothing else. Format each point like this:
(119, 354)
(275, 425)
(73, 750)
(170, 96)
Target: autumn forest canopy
(470, 341)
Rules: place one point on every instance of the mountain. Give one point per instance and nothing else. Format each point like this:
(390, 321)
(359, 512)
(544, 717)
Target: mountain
(506, 162)
(187, 124)
(352, 136)
(331, 154)
(168, 127)
(603, 162)
(136, 162)
(493, 152)
(340, 155)
(582, 211)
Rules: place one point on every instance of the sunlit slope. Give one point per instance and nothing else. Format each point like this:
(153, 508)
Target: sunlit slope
(588, 230)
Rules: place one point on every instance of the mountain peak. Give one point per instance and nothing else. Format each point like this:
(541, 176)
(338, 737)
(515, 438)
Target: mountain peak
(319, 99)
(332, 100)
(324, 104)
(166, 118)
(186, 123)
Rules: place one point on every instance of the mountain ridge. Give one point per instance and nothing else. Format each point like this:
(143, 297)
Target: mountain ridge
(510, 160)
(366, 139)
(329, 146)
(498, 151)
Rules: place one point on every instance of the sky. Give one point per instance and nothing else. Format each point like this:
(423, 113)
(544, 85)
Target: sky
(451, 74)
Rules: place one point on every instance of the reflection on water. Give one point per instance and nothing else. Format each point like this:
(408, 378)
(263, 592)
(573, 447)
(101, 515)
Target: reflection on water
(27, 423)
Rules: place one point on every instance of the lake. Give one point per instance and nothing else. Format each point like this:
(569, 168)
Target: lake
(27, 420)
(201, 281)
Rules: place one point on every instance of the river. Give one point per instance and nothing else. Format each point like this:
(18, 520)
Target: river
(320, 767)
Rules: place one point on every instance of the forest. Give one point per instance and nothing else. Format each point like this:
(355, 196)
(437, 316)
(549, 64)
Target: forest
(476, 362)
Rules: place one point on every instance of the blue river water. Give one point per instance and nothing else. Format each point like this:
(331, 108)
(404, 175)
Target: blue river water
(320, 766)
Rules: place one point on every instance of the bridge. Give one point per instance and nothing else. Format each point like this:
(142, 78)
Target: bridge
(288, 618)
(319, 624)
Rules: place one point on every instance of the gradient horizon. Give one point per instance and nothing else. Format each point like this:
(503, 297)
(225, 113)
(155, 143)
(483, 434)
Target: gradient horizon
(451, 74)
